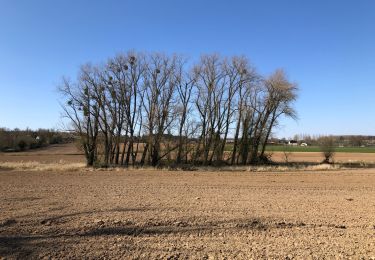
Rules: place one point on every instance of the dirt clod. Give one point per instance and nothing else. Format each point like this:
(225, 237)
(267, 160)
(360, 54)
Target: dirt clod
(99, 222)
(7, 222)
(46, 222)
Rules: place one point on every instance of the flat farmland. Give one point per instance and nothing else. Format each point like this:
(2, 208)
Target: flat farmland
(70, 154)
(317, 157)
(156, 214)
(53, 154)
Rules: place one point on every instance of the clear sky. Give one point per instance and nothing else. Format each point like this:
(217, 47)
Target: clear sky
(327, 47)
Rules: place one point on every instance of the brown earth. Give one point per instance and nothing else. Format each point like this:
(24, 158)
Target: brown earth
(52, 154)
(318, 157)
(153, 214)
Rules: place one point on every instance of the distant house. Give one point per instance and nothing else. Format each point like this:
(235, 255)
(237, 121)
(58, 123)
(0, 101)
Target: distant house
(293, 143)
(230, 140)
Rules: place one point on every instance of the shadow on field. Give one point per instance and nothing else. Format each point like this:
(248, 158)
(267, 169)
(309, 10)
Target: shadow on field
(179, 227)
(174, 228)
(23, 246)
(65, 217)
(17, 241)
(58, 240)
(27, 246)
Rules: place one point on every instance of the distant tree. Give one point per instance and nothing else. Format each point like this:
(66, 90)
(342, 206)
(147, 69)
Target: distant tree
(327, 147)
(356, 140)
(20, 140)
(22, 144)
(287, 152)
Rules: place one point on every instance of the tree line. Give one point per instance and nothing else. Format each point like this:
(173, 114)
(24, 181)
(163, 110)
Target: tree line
(339, 140)
(156, 109)
(16, 140)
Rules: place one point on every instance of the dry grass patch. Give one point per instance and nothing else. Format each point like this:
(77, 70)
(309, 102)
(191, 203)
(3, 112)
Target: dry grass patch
(38, 166)
(70, 166)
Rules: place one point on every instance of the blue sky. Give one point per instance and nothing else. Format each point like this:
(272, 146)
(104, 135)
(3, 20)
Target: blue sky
(327, 47)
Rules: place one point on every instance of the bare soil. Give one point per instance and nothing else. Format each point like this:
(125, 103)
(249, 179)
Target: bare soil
(315, 157)
(52, 154)
(154, 214)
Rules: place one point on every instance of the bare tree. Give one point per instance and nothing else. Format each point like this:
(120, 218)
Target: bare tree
(82, 111)
(160, 83)
(287, 152)
(210, 90)
(244, 78)
(280, 97)
(327, 147)
(185, 84)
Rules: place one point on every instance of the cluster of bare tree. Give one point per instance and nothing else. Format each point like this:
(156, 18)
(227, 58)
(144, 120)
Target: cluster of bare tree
(153, 109)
